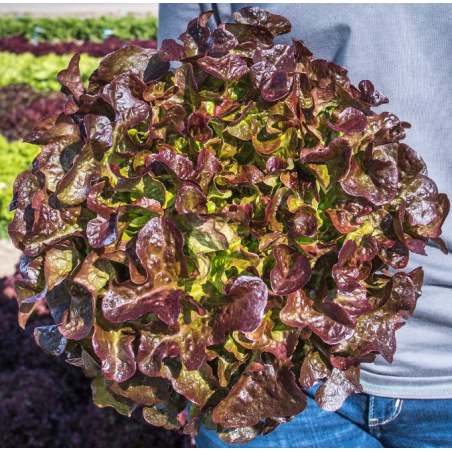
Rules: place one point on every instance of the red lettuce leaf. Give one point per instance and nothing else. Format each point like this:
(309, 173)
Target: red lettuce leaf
(269, 391)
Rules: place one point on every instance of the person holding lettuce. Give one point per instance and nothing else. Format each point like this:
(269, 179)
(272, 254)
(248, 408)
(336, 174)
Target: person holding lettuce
(405, 50)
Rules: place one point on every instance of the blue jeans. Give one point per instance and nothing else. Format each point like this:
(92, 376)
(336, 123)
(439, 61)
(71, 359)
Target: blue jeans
(363, 421)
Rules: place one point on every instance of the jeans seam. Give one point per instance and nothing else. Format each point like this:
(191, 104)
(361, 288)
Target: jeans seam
(372, 421)
(397, 411)
(374, 429)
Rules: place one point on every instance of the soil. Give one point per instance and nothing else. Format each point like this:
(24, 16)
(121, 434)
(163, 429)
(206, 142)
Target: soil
(45, 402)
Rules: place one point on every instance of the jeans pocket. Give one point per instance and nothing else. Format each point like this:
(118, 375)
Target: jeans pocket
(382, 411)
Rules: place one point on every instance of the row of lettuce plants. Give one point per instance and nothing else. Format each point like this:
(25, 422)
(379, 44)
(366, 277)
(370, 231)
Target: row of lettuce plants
(20, 44)
(21, 107)
(40, 72)
(68, 28)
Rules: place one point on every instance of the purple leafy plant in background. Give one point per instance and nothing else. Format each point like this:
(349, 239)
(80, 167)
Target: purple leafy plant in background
(21, 108)
(223, 233)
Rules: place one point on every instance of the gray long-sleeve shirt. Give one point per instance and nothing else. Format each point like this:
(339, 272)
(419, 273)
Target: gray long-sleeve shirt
(406, 51)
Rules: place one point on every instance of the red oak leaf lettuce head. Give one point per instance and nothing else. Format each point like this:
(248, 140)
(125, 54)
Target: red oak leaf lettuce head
(221, 234)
